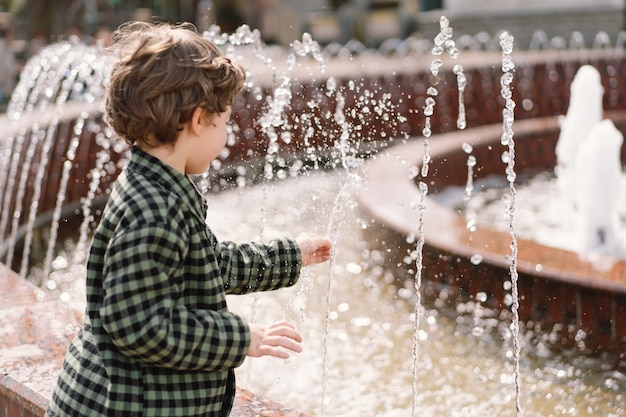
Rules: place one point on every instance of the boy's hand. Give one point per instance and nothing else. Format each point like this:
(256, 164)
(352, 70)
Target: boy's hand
(268, 340)
(314, 249)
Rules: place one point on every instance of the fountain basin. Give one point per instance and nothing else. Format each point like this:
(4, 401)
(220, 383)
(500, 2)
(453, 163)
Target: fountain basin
(558, 289)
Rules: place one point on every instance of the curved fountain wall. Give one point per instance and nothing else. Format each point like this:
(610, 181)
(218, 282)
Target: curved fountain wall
(540, 89)
(578, 302)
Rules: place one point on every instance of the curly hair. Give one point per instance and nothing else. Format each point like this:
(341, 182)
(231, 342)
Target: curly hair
(163, 73)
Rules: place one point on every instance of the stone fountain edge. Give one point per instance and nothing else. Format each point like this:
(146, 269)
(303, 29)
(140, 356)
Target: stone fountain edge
(26, 381)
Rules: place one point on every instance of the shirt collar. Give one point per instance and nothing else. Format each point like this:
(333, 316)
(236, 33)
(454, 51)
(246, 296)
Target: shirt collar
(175, 181)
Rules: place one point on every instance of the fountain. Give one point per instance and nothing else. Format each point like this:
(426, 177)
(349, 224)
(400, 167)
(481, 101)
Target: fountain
(588, 153)
(583, 113)
(599, 163)
(333, 121)
(569, 299)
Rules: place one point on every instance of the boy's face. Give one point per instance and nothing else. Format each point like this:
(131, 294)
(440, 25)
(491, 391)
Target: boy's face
(212, 141)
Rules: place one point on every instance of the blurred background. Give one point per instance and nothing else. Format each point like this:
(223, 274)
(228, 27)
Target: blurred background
(27, 25)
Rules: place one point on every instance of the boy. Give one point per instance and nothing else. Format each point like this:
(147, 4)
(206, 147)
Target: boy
(158, 339)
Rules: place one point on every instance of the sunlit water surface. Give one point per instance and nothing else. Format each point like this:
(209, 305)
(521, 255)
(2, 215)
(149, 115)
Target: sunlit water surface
(542, 214)
(465, 365)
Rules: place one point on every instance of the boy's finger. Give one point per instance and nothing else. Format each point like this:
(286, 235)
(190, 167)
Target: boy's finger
(276, 344)
(288, 332)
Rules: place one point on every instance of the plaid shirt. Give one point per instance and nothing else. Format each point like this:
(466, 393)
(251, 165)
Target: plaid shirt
(158, 339)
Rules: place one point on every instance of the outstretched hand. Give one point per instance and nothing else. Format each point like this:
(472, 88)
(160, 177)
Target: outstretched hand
(314, 249)
(272, 340)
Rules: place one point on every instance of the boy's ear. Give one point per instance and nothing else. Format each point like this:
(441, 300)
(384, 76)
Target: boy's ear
(197, 120)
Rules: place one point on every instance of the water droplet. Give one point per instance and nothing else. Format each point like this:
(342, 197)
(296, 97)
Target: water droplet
(476, 259)
(425, 166)
(478, 331)
(506, 42)
(362, 321)
(435, 65)
(353, 268)
(331, 84)
(343, 307)
(511, 176)
(481, 296)
(508, 299)
(452, 49)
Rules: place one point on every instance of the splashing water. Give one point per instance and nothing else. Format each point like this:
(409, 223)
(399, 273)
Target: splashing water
(443, 43)
(346, 158)
(276, 127)
(471, 163)
(471, 216)
(506, 42)
(343, 199)
(418, 290)
(461, 80)
(62, 73)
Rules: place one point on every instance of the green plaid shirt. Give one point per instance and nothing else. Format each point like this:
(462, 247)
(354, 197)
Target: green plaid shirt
(158, 339)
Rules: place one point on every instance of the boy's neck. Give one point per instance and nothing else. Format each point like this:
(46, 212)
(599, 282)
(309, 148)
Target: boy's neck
(166, 154)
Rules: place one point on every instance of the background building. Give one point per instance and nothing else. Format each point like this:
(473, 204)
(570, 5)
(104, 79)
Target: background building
(31, 23)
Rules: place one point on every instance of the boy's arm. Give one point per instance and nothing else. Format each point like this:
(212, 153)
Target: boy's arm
(250, 267)
(141, 313)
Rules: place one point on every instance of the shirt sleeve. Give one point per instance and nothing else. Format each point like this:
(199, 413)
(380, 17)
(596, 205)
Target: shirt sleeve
(142, 314)
(250, 267)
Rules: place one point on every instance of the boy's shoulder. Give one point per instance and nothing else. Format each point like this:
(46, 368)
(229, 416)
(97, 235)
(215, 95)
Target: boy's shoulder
(149, 191)
(140, 197)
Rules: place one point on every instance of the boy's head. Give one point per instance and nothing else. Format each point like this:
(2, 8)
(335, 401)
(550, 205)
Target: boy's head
(162, 75)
